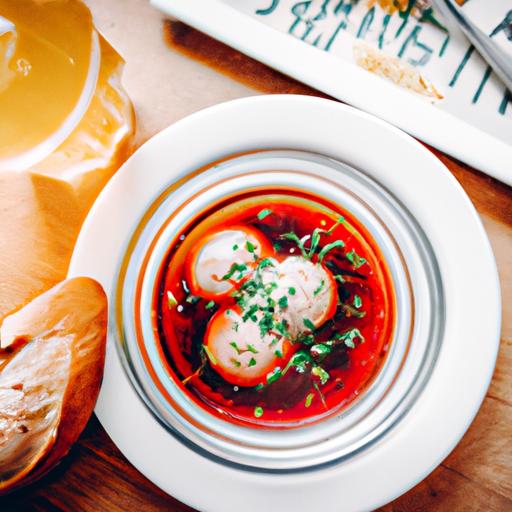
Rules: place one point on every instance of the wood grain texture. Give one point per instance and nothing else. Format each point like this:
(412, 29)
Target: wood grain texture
(166, 84)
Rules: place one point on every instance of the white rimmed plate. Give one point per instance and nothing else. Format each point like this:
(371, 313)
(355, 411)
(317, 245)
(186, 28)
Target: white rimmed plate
(315, 42)
(464, 368)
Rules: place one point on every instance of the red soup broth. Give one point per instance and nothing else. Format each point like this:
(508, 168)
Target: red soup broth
(365, 303)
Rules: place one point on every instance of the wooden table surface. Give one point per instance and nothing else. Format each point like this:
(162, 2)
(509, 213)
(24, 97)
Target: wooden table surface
(167, 84)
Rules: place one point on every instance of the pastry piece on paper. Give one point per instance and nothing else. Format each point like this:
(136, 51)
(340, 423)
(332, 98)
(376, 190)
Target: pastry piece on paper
(376, 61)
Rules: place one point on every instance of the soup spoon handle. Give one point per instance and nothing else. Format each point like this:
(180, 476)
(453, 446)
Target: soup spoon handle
(500, 62)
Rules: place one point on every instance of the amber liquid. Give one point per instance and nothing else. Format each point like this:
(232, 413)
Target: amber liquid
(45, 56)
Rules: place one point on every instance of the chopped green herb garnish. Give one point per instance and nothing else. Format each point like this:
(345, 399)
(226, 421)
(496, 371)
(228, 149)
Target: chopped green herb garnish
(276, 246)
(309, 399)
(252, 362)
(258, 412)
(306, 339)
(319, 372)
(276, 374)
(329, 247)
(292, 290)
(283, 302)
(275, 341)
(349, 311)
(278, 353)
(349, 337)
(235, 327)
(264, 213)
(235, 346)
(266, 324)
(299, 361)
(282, 328)
(319, 289)
(251, 313)
(357, 302)
(252, 349)
(315, 239)
(339, 278)
(320, 394)
(171, 300)
(355, 259)
(235, 247)
(320, 351)
(210, 305)
(299, 241)
(309, 324)
(236, 267)
(211, 357)
(264, 263)
(250, 247)
(192, 299)
(335, 225)
(236, 363)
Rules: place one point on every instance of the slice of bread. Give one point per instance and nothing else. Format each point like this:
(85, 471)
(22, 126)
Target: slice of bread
(51, 366)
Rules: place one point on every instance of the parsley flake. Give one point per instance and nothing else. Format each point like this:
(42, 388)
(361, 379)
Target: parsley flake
(264, 213)
(171, 300)
(335, 225)
(309, 324)
(252, 362)
(320, 351)
(355, 259)
(309, 399)
(211, 357)
(276, 374)
(319, 372)
(349, 337)
(315, 239)
(236, 267)
(250, 246)
(299, 241)
(329, 247)
(319, 289)
(235, 346)
(192, 299)
(258, 412)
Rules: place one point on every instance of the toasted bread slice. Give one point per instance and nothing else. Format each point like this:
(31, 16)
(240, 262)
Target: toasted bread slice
(50, 374)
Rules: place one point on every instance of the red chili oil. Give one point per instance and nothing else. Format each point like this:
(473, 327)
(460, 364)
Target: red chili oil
(366, 302)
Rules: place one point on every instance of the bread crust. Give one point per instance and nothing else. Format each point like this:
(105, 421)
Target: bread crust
(50, 375)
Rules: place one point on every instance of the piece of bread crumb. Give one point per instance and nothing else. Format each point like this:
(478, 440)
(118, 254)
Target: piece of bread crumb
(376, 61)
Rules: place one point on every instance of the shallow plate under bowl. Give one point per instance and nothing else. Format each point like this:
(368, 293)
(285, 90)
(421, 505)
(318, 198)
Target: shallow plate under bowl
(463, 369)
